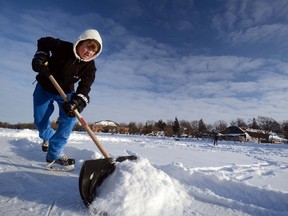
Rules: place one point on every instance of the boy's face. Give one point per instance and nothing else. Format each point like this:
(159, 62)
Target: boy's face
(85, 51)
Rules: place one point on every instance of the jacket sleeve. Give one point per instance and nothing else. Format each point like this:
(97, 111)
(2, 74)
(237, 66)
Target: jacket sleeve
(47, 44)
(86, 81)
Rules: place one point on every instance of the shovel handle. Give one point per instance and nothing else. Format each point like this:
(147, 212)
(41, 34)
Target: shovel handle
(80, 118)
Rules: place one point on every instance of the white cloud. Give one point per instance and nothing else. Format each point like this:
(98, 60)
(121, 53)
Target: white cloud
(259, 21)
(139, 79)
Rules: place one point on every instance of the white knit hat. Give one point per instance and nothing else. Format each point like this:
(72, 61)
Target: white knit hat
(88, 34)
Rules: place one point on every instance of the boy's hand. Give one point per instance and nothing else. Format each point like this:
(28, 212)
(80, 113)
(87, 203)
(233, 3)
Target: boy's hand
(40, 63)
(76, 102)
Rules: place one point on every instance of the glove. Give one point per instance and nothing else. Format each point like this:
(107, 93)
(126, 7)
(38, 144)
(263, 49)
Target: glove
(78, 101)
(40, 63)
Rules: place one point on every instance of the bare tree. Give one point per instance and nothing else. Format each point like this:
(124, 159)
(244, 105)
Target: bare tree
(284, 127)
(268, 124)
(186, 127)
(195, 125)
(239, 123)
(160, 125)
(148, 127)
(253, 124)
(169, 128)
(220, 125)
(133, 128)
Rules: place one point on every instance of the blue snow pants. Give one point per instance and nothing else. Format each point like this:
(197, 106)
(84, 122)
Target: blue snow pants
(43, 108)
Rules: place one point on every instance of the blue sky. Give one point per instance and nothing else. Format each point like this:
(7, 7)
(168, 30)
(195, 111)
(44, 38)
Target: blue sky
(191, 59)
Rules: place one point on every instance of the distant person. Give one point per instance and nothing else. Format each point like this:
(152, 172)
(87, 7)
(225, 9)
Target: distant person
(69, 64)
(215, 140)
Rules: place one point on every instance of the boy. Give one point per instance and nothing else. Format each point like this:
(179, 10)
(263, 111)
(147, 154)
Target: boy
(69, 64)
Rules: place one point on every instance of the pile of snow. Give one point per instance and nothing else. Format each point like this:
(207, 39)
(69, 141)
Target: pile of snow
(138, 188)
(171, 178)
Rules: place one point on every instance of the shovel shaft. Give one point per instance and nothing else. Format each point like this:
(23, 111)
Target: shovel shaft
(80, 118)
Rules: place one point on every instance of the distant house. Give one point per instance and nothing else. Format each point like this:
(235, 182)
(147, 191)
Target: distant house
(258, 136)
(261, 137)
(234, 133)
(106, 126)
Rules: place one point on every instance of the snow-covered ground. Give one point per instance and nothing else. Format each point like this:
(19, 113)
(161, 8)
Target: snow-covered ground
(171, 178)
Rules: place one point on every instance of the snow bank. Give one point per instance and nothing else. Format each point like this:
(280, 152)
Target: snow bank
(138, 188)
(179, 178)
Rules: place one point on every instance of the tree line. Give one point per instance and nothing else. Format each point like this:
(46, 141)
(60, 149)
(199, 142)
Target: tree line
(200, 128)
(195, 128)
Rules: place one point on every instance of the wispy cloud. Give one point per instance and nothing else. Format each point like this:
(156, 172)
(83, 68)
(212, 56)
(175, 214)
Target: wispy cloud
(191, 83)
(259, 21)
(141, 78)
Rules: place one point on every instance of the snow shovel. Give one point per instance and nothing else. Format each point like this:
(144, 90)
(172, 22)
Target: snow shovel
(93, 172)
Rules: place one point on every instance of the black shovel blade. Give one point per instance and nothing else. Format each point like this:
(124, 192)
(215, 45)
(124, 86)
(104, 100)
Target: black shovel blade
(92, 174)
(123, 158)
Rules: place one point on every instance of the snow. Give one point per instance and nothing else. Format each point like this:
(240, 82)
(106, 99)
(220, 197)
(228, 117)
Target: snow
(184, 177)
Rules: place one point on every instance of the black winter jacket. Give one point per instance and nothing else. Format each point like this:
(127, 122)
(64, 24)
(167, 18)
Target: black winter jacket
(65, 68)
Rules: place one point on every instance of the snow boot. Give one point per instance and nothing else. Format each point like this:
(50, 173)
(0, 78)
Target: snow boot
(64, 163)
(45, 146)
